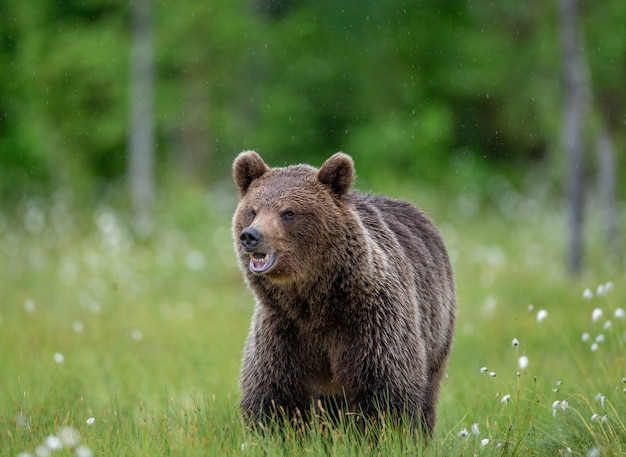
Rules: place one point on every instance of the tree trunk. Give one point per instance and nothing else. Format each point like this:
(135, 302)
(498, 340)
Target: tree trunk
(141, 135)
(572, 130)
(196, 137)
(608, 191)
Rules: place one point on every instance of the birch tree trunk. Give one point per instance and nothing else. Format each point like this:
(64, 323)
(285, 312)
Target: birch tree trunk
(572, 130)
(608, 191)
(196, 136)
(141, 134)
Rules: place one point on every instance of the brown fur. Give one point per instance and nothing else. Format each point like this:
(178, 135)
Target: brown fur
(359, 304)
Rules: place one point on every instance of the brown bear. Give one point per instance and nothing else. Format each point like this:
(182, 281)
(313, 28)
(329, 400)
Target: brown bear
(355, 299)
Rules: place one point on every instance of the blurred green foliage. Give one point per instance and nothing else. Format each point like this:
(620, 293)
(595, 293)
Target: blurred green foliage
(412, 89)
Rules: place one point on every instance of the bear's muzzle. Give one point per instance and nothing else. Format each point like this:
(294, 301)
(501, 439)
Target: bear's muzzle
(250, 237)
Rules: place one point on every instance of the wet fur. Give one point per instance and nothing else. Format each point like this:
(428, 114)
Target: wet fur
(360, 306)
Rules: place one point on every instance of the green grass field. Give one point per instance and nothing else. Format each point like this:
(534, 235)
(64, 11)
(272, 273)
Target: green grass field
(115, 345)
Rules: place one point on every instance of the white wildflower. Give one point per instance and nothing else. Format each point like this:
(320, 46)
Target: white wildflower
(483, 370)
(596, 314)
(541, 315)
(607, 325)
(484, 442)
(608, 287)
(564, 405)
(95, 307)
(43, 451)
(475, 429)
(587, 294)
(595, 347)
(586, 336)
(69, 437)
(601, 290)
(619, 313)
(58, 357)
(595, 417)
(600, 398)
(515, 342)
(83, 451)
(463, 433)
(522, 362)
(29, 306)
(556, 388)
(600, 338)
(78, 327)
(593, 451)
(492, 374)
(506, 399)
(90, 421)
(53, 443)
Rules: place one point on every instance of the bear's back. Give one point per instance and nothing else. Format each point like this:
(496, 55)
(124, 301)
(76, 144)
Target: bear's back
(427, 257)
(413, 230)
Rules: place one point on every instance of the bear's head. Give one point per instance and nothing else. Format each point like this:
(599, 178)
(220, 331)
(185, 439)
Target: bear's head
(288, 219)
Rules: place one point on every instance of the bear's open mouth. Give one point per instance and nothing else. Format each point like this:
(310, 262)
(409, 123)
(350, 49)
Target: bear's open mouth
(260, 262)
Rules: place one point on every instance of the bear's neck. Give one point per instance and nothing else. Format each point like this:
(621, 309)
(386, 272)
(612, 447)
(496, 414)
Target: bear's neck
(326, 298)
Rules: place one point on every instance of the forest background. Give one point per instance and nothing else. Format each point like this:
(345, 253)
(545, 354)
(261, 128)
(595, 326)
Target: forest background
(453, 94)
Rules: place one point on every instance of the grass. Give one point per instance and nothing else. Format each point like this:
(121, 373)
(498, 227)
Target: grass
(135, 343)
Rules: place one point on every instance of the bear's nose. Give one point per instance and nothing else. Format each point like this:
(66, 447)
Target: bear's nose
(250, 237)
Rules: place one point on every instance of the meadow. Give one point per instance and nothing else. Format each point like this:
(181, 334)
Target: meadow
(118, 344)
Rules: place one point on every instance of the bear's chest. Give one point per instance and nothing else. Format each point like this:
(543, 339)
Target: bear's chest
(322, 381)
(320, 319)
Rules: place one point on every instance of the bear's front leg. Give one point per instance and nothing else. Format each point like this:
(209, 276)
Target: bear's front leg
(273, 378)
(382, 381)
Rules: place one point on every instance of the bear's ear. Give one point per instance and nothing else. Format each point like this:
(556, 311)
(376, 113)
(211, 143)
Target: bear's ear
(247, 167)
(337, 173)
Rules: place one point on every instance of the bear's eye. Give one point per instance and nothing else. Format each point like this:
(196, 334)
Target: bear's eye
(288, 215)
(252, 214)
